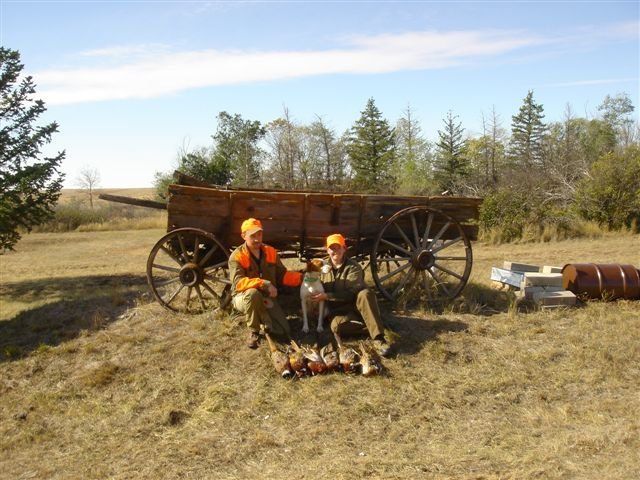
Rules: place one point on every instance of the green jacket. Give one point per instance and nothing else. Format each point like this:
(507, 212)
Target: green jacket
(343, 284)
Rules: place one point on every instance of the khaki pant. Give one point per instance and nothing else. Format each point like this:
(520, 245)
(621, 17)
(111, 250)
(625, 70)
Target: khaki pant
(366, 317)
(252, 304)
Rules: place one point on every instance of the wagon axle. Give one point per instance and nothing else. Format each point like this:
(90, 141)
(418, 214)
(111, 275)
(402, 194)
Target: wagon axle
(423, 260)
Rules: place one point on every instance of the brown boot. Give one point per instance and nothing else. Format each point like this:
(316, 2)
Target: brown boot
(254, 338)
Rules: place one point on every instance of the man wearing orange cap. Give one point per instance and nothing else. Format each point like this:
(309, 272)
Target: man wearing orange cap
(354, 307)
(256, 271)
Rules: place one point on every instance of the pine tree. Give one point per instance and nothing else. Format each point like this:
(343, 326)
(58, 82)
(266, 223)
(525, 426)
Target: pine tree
(527, 134)
(29, 183)
(451, 164)
(371, 150)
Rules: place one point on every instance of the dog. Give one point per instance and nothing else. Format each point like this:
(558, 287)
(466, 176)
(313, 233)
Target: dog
(312, 285)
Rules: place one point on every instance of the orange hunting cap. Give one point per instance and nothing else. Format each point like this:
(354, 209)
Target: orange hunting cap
(250, 226)
(336, 238)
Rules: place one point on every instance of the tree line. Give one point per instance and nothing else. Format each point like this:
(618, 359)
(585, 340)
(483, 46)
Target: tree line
(533, 174)
(530, 172)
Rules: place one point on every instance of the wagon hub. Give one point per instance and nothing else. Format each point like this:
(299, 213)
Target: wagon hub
(190, 274)
(424, 260)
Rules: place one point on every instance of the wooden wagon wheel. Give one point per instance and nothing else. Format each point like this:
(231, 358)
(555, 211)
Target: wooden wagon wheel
(187, 271)
(421, 254)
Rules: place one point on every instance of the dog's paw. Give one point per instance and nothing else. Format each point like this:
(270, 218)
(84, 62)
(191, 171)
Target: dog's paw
(319, 329)
(305, 329)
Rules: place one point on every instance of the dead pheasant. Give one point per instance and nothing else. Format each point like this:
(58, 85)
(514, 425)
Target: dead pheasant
(280, 359)
(330, 357)
(347, 356)
(369, 361)
(315, 362)
(297, 360)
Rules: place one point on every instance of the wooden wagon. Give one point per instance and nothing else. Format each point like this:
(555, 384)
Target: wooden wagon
(416, 247)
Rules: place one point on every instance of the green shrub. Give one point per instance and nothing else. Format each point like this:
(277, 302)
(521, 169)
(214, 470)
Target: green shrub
(504, 214)
(610, 194)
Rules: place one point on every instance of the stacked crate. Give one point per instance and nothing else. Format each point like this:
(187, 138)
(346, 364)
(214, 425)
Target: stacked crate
(540, 284)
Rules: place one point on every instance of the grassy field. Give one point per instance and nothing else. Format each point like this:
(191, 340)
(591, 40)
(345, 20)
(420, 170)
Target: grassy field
(97, 381)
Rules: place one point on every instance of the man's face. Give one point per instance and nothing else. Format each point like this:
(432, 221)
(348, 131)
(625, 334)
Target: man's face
(253, 241)
(336, 253)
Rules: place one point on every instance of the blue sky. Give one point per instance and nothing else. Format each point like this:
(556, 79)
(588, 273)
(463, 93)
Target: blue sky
(130, 83)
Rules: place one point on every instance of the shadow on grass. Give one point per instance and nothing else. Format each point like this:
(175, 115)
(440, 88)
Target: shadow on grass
(414, 332)
(84, 303)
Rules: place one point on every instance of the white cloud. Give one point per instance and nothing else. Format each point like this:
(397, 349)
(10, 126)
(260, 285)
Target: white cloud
(147, 71)
(603, 81)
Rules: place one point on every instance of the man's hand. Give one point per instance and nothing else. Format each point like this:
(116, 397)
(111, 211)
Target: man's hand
(273, 291)
(319, 297)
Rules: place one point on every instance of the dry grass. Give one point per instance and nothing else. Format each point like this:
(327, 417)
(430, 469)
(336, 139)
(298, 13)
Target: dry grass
(76, 195)
(97, 382)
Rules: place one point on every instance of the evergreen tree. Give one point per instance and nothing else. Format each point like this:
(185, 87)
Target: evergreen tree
(527, 134)
(371, 150)
(450, 164)
(236, 148)
(29, 183)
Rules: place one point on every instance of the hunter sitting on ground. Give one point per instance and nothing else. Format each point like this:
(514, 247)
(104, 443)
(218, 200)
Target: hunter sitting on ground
(256, 273)
(353, 308)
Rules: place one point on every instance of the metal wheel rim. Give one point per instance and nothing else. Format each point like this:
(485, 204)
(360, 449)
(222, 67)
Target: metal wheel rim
(193, 284)
(420, 255)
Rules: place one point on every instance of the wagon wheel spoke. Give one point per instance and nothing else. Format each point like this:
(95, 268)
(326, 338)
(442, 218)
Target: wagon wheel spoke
(446, 245)
(437, 237)
(395, 272)
(216, 266)
(427, 286)
(440, 283)
(414, 227)
(182, 247)
(403, 282)
(394, 260)
(397, 247)
(175, 294)
(450, 272)
(186, 303)
(210, 290)
(224, 281)
(404, 236)
(207, 257)
(440, 257)
(204, 307)
(196, 249)
(166, 268)
(168, 282)
(427, 229)
(171, 254)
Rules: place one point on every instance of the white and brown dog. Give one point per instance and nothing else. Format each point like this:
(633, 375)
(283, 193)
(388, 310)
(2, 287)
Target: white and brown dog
(312, 285)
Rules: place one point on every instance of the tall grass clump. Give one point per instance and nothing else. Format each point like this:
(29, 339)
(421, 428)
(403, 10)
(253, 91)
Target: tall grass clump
(76, 216)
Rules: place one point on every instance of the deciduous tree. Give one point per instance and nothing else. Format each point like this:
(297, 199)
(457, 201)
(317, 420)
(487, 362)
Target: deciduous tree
(88, 180)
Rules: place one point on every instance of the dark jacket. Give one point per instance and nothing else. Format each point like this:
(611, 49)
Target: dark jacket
(342, 285)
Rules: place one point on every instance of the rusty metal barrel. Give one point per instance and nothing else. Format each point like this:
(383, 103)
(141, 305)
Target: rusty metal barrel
(607, 281)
